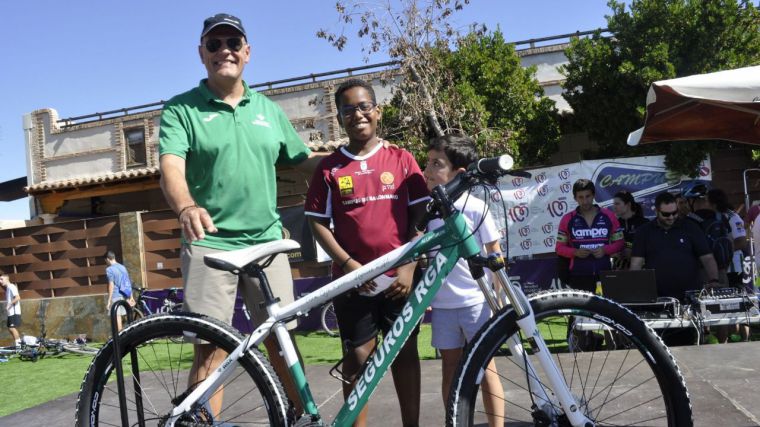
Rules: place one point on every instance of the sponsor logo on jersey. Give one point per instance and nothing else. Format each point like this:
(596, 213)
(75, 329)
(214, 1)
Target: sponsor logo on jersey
(346, 185)
(386, 178)
(593, 233)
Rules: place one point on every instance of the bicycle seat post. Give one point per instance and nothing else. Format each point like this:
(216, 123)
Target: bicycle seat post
(257, 271)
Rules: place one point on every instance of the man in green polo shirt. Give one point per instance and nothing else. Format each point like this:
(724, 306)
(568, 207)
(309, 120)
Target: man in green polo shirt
(219, 144)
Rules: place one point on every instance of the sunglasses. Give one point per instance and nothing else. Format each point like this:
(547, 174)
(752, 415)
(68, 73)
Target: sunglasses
(233, 43)
(364, 107)
(668, 214)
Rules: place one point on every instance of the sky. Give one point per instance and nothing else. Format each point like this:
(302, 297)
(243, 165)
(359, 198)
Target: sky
(85, 56)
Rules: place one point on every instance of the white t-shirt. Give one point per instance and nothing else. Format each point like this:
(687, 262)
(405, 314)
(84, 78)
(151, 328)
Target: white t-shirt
(756, 241)
(460, 289)
(737, 230)
(11, 291)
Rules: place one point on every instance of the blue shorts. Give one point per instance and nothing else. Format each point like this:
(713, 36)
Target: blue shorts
(454, 327)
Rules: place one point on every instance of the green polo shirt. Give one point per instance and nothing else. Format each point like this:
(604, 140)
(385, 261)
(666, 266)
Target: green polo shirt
(230, 156)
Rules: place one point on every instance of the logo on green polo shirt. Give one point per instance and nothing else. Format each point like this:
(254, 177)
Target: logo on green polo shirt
(261, 121)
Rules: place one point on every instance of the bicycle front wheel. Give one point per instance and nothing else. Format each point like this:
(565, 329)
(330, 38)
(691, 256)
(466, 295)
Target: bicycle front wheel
(616, 367)
(157, 378)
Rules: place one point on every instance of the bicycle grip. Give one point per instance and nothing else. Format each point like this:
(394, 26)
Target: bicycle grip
(500, 164)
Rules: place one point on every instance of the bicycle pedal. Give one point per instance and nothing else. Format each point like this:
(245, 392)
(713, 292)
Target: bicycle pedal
(309, 421)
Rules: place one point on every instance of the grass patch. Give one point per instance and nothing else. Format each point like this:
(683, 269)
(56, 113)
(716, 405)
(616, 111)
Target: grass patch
(34, 383)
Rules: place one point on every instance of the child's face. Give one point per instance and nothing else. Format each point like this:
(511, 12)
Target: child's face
(439, 169)
(359, 125)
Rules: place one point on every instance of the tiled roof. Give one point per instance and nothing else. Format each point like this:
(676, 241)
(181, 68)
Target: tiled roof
(140, 173)
(92, 180)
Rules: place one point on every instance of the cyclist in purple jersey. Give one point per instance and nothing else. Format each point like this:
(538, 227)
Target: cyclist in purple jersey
(587, 237)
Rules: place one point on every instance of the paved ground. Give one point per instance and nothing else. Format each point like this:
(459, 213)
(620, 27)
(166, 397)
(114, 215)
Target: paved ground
(721, 379)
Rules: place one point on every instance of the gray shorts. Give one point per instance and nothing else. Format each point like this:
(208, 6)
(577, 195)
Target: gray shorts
(454, 327)
(212, 292)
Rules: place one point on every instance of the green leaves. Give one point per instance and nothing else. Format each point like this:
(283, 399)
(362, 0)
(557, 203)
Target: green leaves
(608, 77)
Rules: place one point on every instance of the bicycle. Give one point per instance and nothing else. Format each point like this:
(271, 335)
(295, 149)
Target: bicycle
(329, 320)
(169, 304)
(574, 387)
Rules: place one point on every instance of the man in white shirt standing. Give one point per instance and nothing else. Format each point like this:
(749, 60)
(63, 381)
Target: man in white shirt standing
(13, 306)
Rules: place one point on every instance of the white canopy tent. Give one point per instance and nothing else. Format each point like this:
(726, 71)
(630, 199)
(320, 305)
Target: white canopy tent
(717, 106)
(723, 105)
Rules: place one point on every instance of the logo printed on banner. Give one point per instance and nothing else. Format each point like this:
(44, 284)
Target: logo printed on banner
(517, 181)
(524, 231)
(526, 244)
(543, 190)
(496, 196)
(519, 194)
(519, 213)
(540, 178)
(564, 173)
(547, 228)
(557, 208)
(549, 242)
(565, 187)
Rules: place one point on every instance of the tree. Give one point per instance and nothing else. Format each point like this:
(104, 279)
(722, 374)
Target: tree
(608, 77)
(450, 83)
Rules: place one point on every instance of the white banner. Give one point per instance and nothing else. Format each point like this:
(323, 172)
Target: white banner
(535, 206)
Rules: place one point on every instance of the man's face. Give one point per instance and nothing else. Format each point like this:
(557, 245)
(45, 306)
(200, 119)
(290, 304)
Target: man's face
(439, 169)
(667, 214)
(683, 207)
(3, 281)
(225, 62)
(359, 125)
(585, 199)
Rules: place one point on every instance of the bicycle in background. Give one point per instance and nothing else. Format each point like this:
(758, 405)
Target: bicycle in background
(171, 302)
(547, 381)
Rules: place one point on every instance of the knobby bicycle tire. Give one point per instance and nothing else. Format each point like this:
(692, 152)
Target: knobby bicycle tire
(252, 395)
(329, 320)
(621, 374)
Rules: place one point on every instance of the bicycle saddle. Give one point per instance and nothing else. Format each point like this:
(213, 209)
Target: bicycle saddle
(237, 260)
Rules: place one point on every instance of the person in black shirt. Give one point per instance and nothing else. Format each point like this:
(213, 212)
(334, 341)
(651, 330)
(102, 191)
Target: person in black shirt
(631, 217)
(674, 248)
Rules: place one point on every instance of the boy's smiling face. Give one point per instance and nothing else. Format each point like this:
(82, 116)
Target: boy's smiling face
(439, 169)
(360, 126)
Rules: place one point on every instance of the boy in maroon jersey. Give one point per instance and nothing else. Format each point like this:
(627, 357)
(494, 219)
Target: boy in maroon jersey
(374, 196)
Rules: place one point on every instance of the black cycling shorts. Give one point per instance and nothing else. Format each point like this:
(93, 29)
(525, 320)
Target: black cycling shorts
(360, 317)
(14, 321)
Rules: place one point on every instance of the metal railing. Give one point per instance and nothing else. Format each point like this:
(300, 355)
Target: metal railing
(310, 78)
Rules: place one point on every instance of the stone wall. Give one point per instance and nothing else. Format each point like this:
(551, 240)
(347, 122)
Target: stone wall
(64, 317)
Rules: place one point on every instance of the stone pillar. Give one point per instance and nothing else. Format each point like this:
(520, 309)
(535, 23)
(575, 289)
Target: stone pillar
(132, 247)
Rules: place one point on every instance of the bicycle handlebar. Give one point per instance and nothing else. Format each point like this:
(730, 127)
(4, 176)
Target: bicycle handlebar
(488, 169)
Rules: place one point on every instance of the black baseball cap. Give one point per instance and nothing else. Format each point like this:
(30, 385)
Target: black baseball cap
(222, 19)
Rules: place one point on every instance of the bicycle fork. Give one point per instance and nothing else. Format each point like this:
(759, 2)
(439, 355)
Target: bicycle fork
(527, 322)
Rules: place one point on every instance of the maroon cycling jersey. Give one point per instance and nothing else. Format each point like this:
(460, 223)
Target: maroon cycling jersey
(574, 233)
(367, 198)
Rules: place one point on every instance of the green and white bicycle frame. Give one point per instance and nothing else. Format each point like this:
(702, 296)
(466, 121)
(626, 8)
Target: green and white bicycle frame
(455, 241)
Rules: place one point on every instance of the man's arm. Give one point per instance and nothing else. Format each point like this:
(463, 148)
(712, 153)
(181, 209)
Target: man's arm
(711, 268)
(193, 218)
(309, 165)
(637, 263)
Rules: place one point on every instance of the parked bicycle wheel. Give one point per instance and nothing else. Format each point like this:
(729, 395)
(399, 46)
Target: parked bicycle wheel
(329, 320)
(251, 396)
(82, 349)
(619, 371)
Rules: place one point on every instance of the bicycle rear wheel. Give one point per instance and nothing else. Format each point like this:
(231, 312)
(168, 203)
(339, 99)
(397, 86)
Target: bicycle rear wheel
(329, 320)
(616, 367)
(251, 396)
